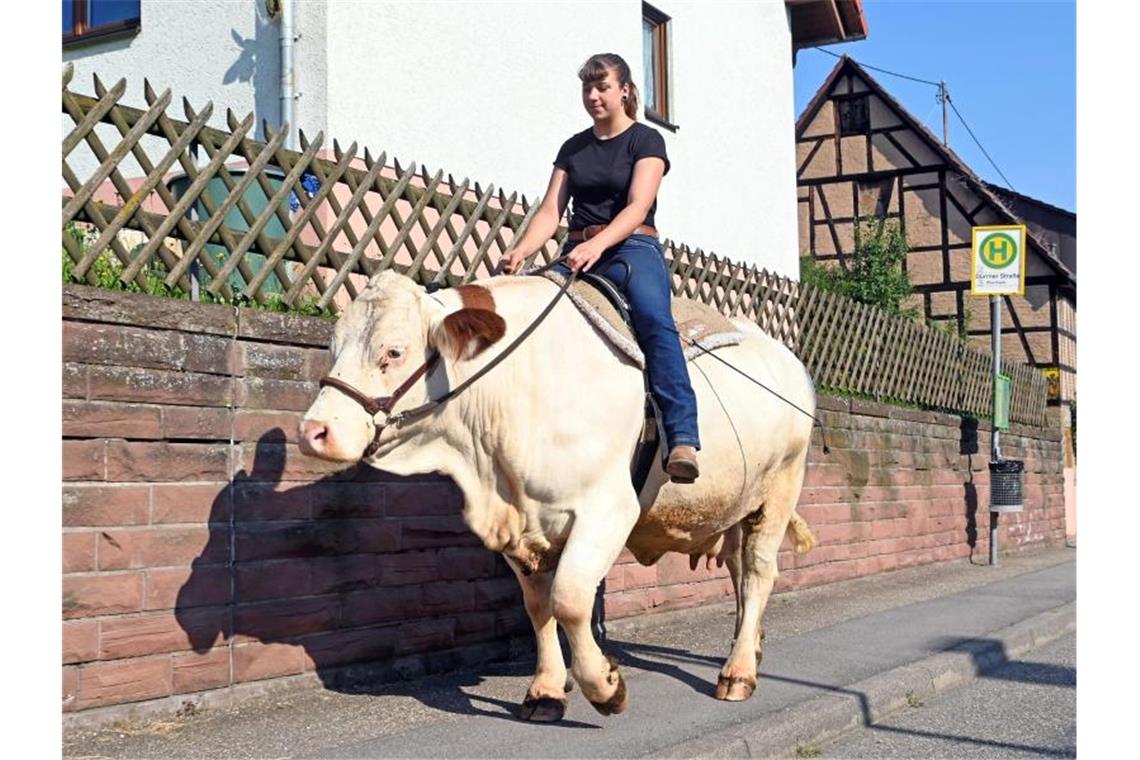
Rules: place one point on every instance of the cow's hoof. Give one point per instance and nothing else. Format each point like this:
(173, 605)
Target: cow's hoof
(616, 704)
(735, 688)
(543, 709)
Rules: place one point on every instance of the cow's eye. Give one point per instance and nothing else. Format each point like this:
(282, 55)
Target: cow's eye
(395, 353)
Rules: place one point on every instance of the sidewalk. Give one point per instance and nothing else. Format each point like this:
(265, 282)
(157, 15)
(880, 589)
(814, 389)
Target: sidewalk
(834, 656)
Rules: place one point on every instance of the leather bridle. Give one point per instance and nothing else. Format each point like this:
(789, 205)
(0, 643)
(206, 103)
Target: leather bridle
(373, 406)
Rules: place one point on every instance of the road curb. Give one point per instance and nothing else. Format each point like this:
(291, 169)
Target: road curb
(818, 720)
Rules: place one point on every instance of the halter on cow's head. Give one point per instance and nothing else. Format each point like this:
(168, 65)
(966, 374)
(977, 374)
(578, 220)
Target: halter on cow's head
(386, 349)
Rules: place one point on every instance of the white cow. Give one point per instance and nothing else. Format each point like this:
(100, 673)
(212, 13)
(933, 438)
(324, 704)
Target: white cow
(540, 448)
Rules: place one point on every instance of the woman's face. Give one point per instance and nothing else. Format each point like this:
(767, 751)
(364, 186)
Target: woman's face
(602, 98)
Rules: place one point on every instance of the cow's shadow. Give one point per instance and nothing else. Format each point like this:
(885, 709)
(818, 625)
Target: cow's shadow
(440, 680)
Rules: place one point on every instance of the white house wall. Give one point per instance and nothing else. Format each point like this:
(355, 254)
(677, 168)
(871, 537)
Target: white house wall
(488, 90)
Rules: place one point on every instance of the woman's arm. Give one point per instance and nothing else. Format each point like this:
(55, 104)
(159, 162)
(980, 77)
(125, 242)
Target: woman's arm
(647, 174)
(543, 224)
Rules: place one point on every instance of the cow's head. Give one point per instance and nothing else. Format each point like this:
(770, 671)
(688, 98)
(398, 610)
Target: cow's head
(380, 341)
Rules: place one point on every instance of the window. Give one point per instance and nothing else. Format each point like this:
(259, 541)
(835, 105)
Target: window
(92, 19)
(655, 57)
(853, 116)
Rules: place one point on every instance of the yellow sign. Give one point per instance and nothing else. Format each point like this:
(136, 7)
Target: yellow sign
(1053, 376)
(998, 260)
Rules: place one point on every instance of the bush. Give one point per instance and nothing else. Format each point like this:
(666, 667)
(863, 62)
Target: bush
(874, 275)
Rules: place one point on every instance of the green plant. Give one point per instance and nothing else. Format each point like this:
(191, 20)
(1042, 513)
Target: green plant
(874, 274)
(913, 700)
(808, 750)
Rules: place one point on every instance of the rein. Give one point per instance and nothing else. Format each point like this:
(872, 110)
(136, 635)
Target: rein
(374, 406)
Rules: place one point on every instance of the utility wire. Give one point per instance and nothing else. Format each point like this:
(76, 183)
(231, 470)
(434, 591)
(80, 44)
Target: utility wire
(874, 68)
(948, 100)
(987, 155)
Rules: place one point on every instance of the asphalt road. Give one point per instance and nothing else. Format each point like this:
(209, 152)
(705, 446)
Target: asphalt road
(1025, 708)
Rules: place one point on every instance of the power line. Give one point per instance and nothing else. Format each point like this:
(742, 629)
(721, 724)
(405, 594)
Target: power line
(948, 100)
(987, 155)
(874, 68)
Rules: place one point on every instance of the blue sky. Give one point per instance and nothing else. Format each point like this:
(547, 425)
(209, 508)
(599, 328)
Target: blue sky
(1010, 68)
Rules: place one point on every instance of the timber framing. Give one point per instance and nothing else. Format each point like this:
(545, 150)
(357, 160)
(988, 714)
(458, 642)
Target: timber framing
(938, 200)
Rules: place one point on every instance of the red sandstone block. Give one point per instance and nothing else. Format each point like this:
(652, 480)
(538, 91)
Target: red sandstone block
(291, 329)
(70, 687)
(425, 636)
(627, 603)
(269, 393)
(200, 672)
(497, 593)
(423, 532)
(448, 598)
(281, 618)
(335, 575)
(108, 419)
(158, 386)
(343, 498)
(80, 641)
(386, 605)
(253, 501)
(161, 547)
(254, 661)
(161, 461)
(318, 363)
(79, 551)
(251, 424)
(268, 360)
(423, 499)
(639, 576)
(275, 462)
(273, 580)
(334, 648)
(825, 475)
(199, 503)
(474, 626)
(84, 460)
(675, 597)
(74, 381)
(184, 587)
(110, 683)
(196, 422)
(315, 538)
(468, 563)
(156, 633)
(101, 594)
(409, 568)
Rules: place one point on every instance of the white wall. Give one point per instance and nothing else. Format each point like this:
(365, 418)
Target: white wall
(488, 90)
(225, 51)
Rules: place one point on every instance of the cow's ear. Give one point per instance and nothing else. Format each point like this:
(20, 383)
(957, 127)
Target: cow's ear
(466, 333)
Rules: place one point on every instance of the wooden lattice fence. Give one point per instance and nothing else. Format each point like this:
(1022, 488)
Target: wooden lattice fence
(311, 228)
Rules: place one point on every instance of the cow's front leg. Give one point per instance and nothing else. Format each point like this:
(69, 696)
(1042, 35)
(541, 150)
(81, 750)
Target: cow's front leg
(595, 542)
(545, 700)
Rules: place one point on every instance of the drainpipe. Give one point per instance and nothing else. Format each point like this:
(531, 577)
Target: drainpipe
(287, 95)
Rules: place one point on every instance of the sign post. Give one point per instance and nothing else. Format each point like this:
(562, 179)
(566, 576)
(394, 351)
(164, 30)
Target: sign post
(997, 268)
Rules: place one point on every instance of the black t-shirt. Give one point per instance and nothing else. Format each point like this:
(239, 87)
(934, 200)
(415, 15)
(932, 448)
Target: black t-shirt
(601, 171)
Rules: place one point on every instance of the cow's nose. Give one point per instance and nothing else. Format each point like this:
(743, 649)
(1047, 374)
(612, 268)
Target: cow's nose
(314, 437)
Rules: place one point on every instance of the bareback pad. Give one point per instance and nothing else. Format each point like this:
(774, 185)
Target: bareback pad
(701, 328)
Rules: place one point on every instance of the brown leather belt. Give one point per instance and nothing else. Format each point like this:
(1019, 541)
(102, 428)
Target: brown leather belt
(577, 236)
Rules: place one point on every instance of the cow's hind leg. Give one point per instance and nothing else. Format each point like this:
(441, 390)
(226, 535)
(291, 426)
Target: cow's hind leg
(545, 700)
(763, 533)
(595, 542)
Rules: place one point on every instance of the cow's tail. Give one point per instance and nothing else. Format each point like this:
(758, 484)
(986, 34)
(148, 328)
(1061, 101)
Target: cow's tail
(802, 536)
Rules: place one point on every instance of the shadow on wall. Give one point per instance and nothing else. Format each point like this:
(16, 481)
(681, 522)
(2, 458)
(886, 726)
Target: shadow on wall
(259, 62)
(320, 566)
(968, 447)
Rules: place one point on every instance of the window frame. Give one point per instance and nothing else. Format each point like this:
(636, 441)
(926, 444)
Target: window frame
(841, 101)
(660, 24)
(82, 31)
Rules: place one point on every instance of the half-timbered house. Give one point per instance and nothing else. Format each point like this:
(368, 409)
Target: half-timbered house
(860, 154)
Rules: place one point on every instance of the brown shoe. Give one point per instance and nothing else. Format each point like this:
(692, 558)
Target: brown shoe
(682, 464)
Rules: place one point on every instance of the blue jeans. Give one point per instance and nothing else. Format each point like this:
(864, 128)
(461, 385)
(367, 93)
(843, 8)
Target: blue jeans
(636, 266)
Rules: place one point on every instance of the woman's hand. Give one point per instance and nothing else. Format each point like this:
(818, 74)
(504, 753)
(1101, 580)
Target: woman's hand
(584, 256)
(511, 261)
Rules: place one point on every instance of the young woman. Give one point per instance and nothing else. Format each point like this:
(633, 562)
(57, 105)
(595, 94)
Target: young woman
(611, 172)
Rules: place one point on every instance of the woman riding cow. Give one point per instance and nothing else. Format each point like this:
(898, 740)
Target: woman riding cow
(611, 172)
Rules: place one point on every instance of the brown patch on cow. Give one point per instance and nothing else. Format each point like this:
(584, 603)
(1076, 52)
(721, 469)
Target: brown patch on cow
(476, 297)
(469, 332)
(616, 704)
